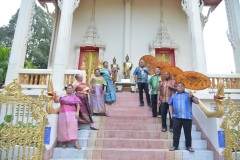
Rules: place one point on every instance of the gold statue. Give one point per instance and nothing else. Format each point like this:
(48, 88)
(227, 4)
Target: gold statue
(127, 68)
(100, 64)
(115, 68)
(219, 100)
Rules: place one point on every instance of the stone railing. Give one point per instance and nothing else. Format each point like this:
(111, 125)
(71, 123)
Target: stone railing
(70, 76)
(34, 78)
(231, 81)
(39, 78)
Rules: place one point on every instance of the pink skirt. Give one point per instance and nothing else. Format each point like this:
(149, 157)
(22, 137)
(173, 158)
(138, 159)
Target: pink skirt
(67, 124)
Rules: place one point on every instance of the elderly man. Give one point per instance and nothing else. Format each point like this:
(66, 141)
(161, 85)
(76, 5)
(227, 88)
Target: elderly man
(141, 78)
(180, 108)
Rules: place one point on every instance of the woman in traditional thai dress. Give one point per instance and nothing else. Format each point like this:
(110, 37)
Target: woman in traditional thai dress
(68, 117)
(81, 91)
(110, 94)
(97, 89)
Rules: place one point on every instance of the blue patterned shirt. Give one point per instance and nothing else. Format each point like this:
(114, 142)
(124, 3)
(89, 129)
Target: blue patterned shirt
(142, 75)
(182, 105)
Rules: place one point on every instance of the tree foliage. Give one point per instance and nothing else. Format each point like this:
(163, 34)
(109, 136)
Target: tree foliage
(39, 44)
(4, 56)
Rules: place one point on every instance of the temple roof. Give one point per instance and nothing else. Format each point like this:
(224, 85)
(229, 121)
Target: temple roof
(212, 2)
(206, 2)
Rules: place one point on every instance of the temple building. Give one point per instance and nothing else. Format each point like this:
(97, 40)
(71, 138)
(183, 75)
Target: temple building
(88, 32)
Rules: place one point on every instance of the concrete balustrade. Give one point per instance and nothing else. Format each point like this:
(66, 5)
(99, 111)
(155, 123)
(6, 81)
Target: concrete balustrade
(37, 79)
(231, 83)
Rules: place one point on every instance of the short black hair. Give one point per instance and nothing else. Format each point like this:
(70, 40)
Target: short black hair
(105, 62)
(96, 70)
(180, 83)
(68, 85)
(158, 67)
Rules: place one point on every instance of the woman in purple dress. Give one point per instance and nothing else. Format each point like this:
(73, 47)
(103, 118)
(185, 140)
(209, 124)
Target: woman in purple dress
(97, 86)
(68, 117)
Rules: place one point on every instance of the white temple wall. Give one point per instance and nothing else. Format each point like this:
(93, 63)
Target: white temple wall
(145, 22)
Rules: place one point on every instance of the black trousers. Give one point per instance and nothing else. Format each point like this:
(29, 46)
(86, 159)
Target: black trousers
(178, 123)
(154, 101)
(164, 110)
(141, 87)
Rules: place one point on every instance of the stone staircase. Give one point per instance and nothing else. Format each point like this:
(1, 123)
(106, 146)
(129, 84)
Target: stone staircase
(130, 134)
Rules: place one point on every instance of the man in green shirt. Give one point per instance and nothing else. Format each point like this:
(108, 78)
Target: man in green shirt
(153, 90)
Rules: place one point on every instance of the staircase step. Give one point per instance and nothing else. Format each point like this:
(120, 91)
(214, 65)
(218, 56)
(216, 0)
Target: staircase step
(68, 153)
(132, 126)
(130, 154)
(128, 126)
(133, 134)
(127, 119)
(137, 143)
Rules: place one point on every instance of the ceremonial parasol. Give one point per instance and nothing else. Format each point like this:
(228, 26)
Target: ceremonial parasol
(173, 71)
(150, 62)
(194, 80)
(162, 64)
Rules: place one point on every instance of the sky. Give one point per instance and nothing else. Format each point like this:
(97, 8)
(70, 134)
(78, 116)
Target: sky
(218, 50)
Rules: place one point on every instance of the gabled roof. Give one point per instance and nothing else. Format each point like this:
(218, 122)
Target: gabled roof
(206, 2)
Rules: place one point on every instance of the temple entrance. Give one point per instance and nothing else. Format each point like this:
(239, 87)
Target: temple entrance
(88, 60)
(165, 55)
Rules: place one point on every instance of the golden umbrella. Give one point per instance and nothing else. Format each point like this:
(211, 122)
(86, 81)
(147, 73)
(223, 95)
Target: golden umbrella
(194, 80)
(162, 64)
(150, 62)
(173, 71)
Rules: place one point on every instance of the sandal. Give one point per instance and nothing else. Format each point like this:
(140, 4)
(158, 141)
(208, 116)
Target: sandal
(77, 147)
(190, 149)
(173, 148)
(64, 145)
(93, 128)
(106, 114)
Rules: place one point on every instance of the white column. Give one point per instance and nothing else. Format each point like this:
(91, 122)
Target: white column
(192, 10)
(63, 43)
(19, 46)
(233, 16)
(127, 28)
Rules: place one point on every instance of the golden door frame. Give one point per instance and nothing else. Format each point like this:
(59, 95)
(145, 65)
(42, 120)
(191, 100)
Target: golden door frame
(89, 57)
(22, 124)
(165, 55)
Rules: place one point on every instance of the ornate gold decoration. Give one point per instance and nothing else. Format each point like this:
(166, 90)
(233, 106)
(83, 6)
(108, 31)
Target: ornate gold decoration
(231, 129)
(51, 94)
(91, 63)
(23, 124)
(164, 57)
(100, 64)
(219, 99)
(127, 67)
(83, 66)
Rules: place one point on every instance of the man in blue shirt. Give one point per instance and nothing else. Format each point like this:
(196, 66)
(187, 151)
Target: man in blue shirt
(141, 78)
(180, 108)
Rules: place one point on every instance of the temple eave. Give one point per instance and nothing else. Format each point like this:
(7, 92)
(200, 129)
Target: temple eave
(212, 2)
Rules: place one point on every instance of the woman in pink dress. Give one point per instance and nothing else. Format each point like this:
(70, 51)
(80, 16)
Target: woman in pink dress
(68, 117)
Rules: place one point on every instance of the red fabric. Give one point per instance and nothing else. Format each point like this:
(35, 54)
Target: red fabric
(165, 91)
